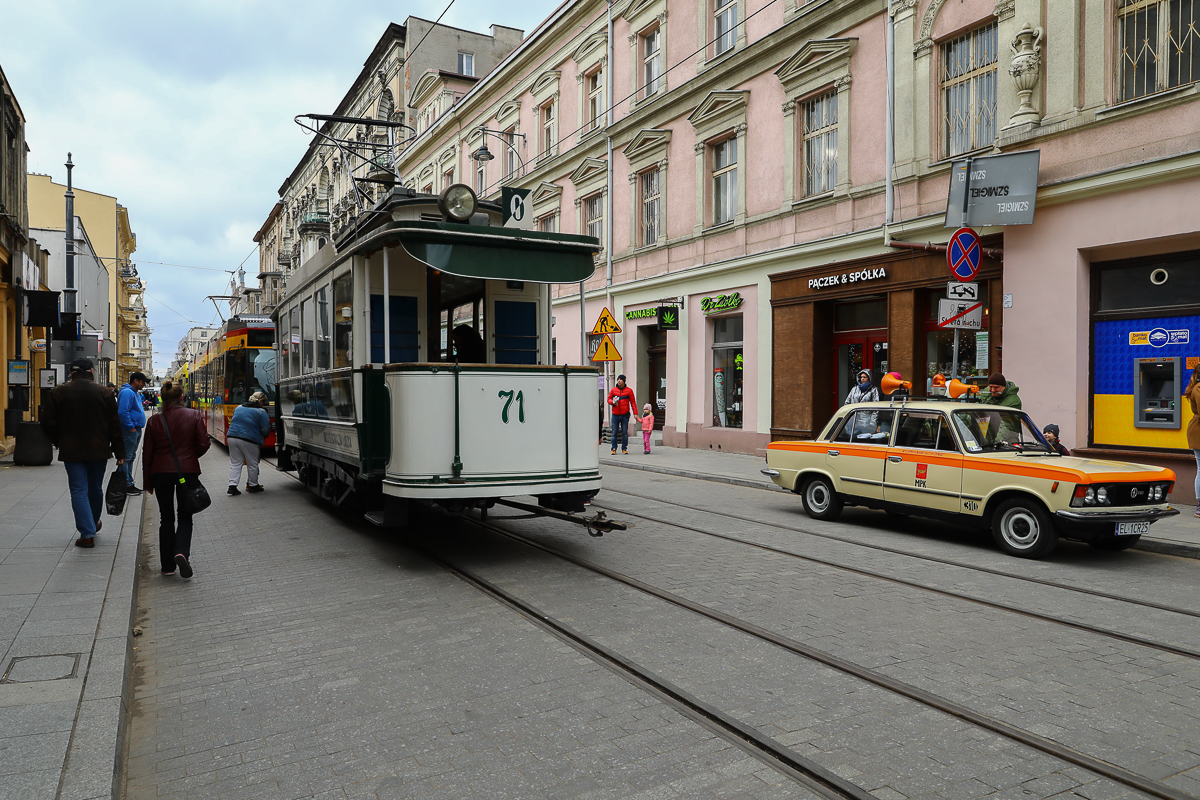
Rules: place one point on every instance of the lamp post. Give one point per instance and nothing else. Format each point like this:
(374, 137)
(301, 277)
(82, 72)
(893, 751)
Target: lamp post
(69, 298)
(484, 155)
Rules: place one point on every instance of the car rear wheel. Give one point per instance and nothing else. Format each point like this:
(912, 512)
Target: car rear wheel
(820, 500)
(1023, 528)
(1111, 542)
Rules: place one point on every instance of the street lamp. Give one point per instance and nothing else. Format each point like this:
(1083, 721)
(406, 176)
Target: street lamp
(483, 155)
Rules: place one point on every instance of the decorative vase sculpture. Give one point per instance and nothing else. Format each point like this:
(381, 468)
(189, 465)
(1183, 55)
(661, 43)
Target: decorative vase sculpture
(1025, 70)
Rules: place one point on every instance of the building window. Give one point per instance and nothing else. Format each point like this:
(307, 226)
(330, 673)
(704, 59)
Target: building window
(595, 88)
(447, 178)
(727, 372)
(1156, 45)
(510, 152)
(651, 198)
(548, 223)
(466, 63)
(726, 26)
(547, 143)
(593, 216)
(724, 180)
(651, 62)
(969, 90)
(480, 178)
(428, 188)
(820, 120)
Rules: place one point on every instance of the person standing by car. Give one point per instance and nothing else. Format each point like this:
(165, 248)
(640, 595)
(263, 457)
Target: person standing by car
(620, 397)
(863, 391)
(247, 430)
(1050, 432)
(133, 420)
(80, 419)
(1001, 392)
(160, 474)
(1192, 393)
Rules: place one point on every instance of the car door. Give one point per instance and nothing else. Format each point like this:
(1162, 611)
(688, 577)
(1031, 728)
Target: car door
(858, 450)
(924, 466)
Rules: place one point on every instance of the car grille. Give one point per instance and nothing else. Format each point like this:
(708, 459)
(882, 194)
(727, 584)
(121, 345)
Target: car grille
(1123, 494)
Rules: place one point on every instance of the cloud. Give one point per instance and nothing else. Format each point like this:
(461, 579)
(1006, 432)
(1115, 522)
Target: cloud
(183, 111)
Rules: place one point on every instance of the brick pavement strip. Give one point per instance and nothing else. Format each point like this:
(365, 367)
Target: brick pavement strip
(308, 656)
(59, 734)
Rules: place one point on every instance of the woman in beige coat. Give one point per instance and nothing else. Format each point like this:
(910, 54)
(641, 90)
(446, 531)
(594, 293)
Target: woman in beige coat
(1192, 393)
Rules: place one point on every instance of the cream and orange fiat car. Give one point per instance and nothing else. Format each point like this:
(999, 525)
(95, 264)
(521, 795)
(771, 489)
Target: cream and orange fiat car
(970, 463)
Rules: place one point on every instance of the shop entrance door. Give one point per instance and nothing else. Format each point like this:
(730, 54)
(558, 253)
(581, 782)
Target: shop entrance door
(657, 355)
(854, 351)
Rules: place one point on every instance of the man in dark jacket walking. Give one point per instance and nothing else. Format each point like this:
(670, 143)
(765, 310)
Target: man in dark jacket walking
(80, 418)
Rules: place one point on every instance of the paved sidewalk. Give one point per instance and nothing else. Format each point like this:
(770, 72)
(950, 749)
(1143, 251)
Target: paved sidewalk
(1179, 536)
(65, 637)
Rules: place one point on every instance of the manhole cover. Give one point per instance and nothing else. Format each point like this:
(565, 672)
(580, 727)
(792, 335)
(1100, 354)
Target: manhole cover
(41, 668)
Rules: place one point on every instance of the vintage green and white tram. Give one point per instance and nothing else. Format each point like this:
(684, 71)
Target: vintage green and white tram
(414, 362)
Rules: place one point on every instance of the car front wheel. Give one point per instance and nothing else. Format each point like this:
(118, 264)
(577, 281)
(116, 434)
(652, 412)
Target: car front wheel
(820, 500)
(1023, 528)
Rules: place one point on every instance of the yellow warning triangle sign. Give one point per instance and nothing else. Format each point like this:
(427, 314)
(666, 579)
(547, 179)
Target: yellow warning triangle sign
(606, 324)
(607, 351)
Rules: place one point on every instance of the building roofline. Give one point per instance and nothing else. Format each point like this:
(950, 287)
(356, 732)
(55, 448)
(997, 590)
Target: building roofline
(11, 95)
(270, 218)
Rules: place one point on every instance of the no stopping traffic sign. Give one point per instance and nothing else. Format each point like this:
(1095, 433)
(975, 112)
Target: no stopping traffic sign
(963, 254)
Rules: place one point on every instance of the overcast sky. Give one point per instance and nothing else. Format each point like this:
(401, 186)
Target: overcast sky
(183, 111)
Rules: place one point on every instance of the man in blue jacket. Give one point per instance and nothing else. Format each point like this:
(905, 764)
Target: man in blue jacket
(133, 421)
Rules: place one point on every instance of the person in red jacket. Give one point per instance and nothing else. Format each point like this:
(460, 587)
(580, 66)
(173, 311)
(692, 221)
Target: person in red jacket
(623, 404)
(160, 475)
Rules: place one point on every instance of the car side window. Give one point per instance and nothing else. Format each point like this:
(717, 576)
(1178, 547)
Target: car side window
(866, 427)
(924, 430)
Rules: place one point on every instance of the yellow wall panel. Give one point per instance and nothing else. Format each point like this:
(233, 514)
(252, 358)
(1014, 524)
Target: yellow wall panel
(1113, 418)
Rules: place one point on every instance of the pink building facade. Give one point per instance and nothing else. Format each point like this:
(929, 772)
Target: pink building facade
(729, 154)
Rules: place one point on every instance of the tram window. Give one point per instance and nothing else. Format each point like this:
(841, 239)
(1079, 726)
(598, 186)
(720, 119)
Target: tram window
(307, 343)
(405, 335)
(294, 337)
(515, 335)
(324, 343)
(343, 321)
(235, 376)
(260, 338)
(285, 345)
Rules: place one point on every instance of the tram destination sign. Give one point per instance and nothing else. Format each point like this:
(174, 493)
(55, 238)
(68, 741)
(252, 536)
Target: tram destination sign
(998, 190)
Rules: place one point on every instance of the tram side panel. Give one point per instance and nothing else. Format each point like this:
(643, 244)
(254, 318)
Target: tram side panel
(485, 432)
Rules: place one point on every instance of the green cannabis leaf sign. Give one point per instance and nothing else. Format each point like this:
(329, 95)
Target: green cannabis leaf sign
(668, 318)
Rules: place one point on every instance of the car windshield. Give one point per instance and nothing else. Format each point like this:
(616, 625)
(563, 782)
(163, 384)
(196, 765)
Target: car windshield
(997, 429)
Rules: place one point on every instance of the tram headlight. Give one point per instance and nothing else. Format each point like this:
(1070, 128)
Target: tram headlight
(458, 202)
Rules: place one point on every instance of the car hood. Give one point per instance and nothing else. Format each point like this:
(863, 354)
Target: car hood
(1117, 470)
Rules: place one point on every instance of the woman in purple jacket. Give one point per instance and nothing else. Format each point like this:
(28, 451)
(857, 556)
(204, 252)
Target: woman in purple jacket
(160, 474)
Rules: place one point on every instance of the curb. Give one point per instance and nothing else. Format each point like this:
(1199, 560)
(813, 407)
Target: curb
(1162, 546)
(95, 754)
(700, 476)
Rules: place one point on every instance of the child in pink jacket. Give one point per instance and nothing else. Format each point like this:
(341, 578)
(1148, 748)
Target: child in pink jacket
(647, 426)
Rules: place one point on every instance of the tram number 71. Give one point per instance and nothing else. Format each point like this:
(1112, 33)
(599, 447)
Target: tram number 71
(520, 398)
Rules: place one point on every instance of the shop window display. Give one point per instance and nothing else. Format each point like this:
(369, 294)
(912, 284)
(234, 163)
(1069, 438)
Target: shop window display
(727, 372)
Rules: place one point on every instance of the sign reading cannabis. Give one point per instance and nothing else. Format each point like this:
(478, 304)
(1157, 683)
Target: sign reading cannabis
(668, 318)
(722, 302)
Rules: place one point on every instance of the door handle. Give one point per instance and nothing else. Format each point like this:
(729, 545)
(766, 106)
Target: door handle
(895, 459)
(834, 452)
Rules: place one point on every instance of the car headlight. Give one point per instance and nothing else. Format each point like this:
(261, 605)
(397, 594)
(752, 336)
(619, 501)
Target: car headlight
(1102, 496)
(1089, 496)
(1158, 494)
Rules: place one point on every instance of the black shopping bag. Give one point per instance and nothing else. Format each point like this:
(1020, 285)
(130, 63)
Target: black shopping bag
(115, 494)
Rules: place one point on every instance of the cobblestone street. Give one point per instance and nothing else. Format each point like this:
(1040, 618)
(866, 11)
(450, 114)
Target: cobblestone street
(312, 656)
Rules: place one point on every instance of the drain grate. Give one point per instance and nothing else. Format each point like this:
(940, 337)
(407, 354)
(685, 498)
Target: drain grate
(25, 669)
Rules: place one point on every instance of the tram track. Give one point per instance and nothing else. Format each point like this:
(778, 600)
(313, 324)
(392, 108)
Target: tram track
(882, 548)
(869, 675)
(803, 770)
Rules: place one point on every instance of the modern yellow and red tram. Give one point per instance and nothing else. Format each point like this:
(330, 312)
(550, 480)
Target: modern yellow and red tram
(239, 361)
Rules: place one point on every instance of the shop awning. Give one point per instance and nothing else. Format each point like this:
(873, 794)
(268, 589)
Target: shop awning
(475, 251)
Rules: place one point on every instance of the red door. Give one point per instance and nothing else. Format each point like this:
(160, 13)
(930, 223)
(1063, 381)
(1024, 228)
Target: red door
(854, 351)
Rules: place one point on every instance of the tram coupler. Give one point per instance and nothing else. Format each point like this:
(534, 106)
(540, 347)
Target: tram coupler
(597, 525)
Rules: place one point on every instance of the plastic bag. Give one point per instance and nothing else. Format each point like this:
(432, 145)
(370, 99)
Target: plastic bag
(115, 494)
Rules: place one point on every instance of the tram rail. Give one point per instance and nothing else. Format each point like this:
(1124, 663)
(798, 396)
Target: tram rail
(1092, 764)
